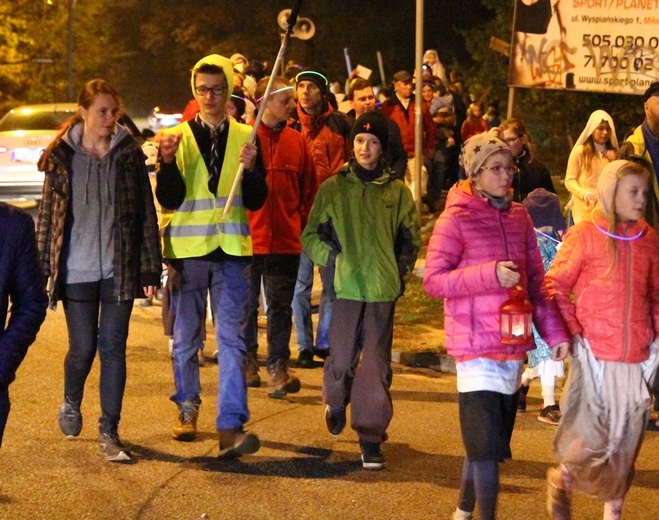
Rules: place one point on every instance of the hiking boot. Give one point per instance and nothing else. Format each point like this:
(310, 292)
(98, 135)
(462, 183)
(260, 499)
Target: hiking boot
(305, 359)
(185, 429)
(372, 457)
(550, 415)
(521, 402)
(335, 419)
(110, 446)
(70, 419)
(281, 382)
(558, 496)
(236, 442)
(252, 371)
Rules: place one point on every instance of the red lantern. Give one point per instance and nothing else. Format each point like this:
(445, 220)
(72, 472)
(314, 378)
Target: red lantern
(516, 318)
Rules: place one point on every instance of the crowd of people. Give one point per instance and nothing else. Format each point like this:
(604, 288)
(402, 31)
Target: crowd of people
(322, 188)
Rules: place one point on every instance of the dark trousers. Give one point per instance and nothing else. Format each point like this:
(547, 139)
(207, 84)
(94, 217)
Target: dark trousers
(97, 321)
(367, 329)
(4, 409)
(279, 273)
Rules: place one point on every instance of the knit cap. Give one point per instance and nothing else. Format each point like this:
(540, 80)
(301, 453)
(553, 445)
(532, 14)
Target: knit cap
(314, 76)
(652, 90)
(374, 123)
(544, 207)
(477, 149)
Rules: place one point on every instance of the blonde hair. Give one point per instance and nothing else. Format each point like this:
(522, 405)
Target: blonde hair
(630, 168)
(589, 153)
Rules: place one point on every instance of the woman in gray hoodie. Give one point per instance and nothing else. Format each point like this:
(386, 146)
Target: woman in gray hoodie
(98, 241)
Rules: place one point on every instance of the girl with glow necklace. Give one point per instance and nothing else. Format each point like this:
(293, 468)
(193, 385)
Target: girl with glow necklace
(605, 279)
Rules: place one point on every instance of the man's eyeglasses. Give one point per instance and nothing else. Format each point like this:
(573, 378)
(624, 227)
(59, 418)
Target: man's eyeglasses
(499, 170)
(511, 140)
(216, 91)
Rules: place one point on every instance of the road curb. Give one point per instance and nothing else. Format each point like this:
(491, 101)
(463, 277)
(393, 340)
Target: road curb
(432, 360)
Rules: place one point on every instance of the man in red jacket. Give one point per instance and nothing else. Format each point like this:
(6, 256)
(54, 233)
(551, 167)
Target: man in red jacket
(400, 108)
(276, 230)
(327, 134)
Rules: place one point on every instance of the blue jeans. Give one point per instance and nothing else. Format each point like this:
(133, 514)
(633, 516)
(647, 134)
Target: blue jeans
(97, 321)
(228, 284)
(278, 273)
(302, 307)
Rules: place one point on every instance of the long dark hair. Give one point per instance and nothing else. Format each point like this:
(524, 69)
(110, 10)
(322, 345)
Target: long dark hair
(86, 98)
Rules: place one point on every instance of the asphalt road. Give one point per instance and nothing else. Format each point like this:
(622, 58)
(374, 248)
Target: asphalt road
(301, 472)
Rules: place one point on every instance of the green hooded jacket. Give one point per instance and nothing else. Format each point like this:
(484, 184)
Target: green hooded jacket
(368, 232)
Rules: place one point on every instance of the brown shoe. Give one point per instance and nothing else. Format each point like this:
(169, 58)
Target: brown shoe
(281, 381)
(236, 442)
(252, 371)
(559, 500)
(185, 429)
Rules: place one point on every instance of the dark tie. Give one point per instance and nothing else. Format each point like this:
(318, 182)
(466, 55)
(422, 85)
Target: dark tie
(214, 172)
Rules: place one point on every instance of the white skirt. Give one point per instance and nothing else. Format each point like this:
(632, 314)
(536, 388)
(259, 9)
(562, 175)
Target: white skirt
(547, 368)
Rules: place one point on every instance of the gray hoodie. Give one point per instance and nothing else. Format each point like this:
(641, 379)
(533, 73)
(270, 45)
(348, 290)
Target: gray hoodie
(91, 247)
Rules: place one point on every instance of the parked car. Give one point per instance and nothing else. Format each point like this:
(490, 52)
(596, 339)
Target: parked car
(24, 133)
(162, 117)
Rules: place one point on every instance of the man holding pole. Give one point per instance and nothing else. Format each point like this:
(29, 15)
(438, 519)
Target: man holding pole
(209, 253)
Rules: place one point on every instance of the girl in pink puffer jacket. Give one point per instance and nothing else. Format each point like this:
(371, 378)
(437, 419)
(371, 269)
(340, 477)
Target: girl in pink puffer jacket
(482, 245)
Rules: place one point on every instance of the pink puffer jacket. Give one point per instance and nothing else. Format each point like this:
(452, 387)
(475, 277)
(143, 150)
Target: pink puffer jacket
(468, 241)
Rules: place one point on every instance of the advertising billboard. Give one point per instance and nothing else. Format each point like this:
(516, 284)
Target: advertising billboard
(590, 45)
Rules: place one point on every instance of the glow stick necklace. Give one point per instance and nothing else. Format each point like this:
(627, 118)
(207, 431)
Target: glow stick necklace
(276, 92)
(617, 237)
(548, 236)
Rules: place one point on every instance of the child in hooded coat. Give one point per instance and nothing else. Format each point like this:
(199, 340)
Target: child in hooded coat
(605, 279)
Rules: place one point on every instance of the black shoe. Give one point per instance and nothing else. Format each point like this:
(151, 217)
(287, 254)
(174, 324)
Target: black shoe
(335, 419)
(305, 359)
(550, 415)
(322, 353)
(372, 457)
(521, 403)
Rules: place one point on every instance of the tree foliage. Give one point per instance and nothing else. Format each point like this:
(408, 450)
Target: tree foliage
(146, 48)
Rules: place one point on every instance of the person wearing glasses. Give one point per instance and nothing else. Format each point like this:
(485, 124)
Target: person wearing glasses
(531, 174)
(206, 253)
(482, 245)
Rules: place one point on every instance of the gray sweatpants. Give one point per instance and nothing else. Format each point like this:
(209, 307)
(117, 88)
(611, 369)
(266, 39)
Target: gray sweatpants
(366, 329)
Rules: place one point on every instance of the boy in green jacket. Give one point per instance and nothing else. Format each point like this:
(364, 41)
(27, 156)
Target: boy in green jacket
(364, 224)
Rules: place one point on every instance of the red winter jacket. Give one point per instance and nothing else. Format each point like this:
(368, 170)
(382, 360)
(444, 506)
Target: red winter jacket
(328, 140)
(292, 185)
(405, 121)
(469, 239)
(615, 309)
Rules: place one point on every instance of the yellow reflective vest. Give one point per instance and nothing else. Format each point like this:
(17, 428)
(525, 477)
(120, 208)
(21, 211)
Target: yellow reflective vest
(196, 228)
